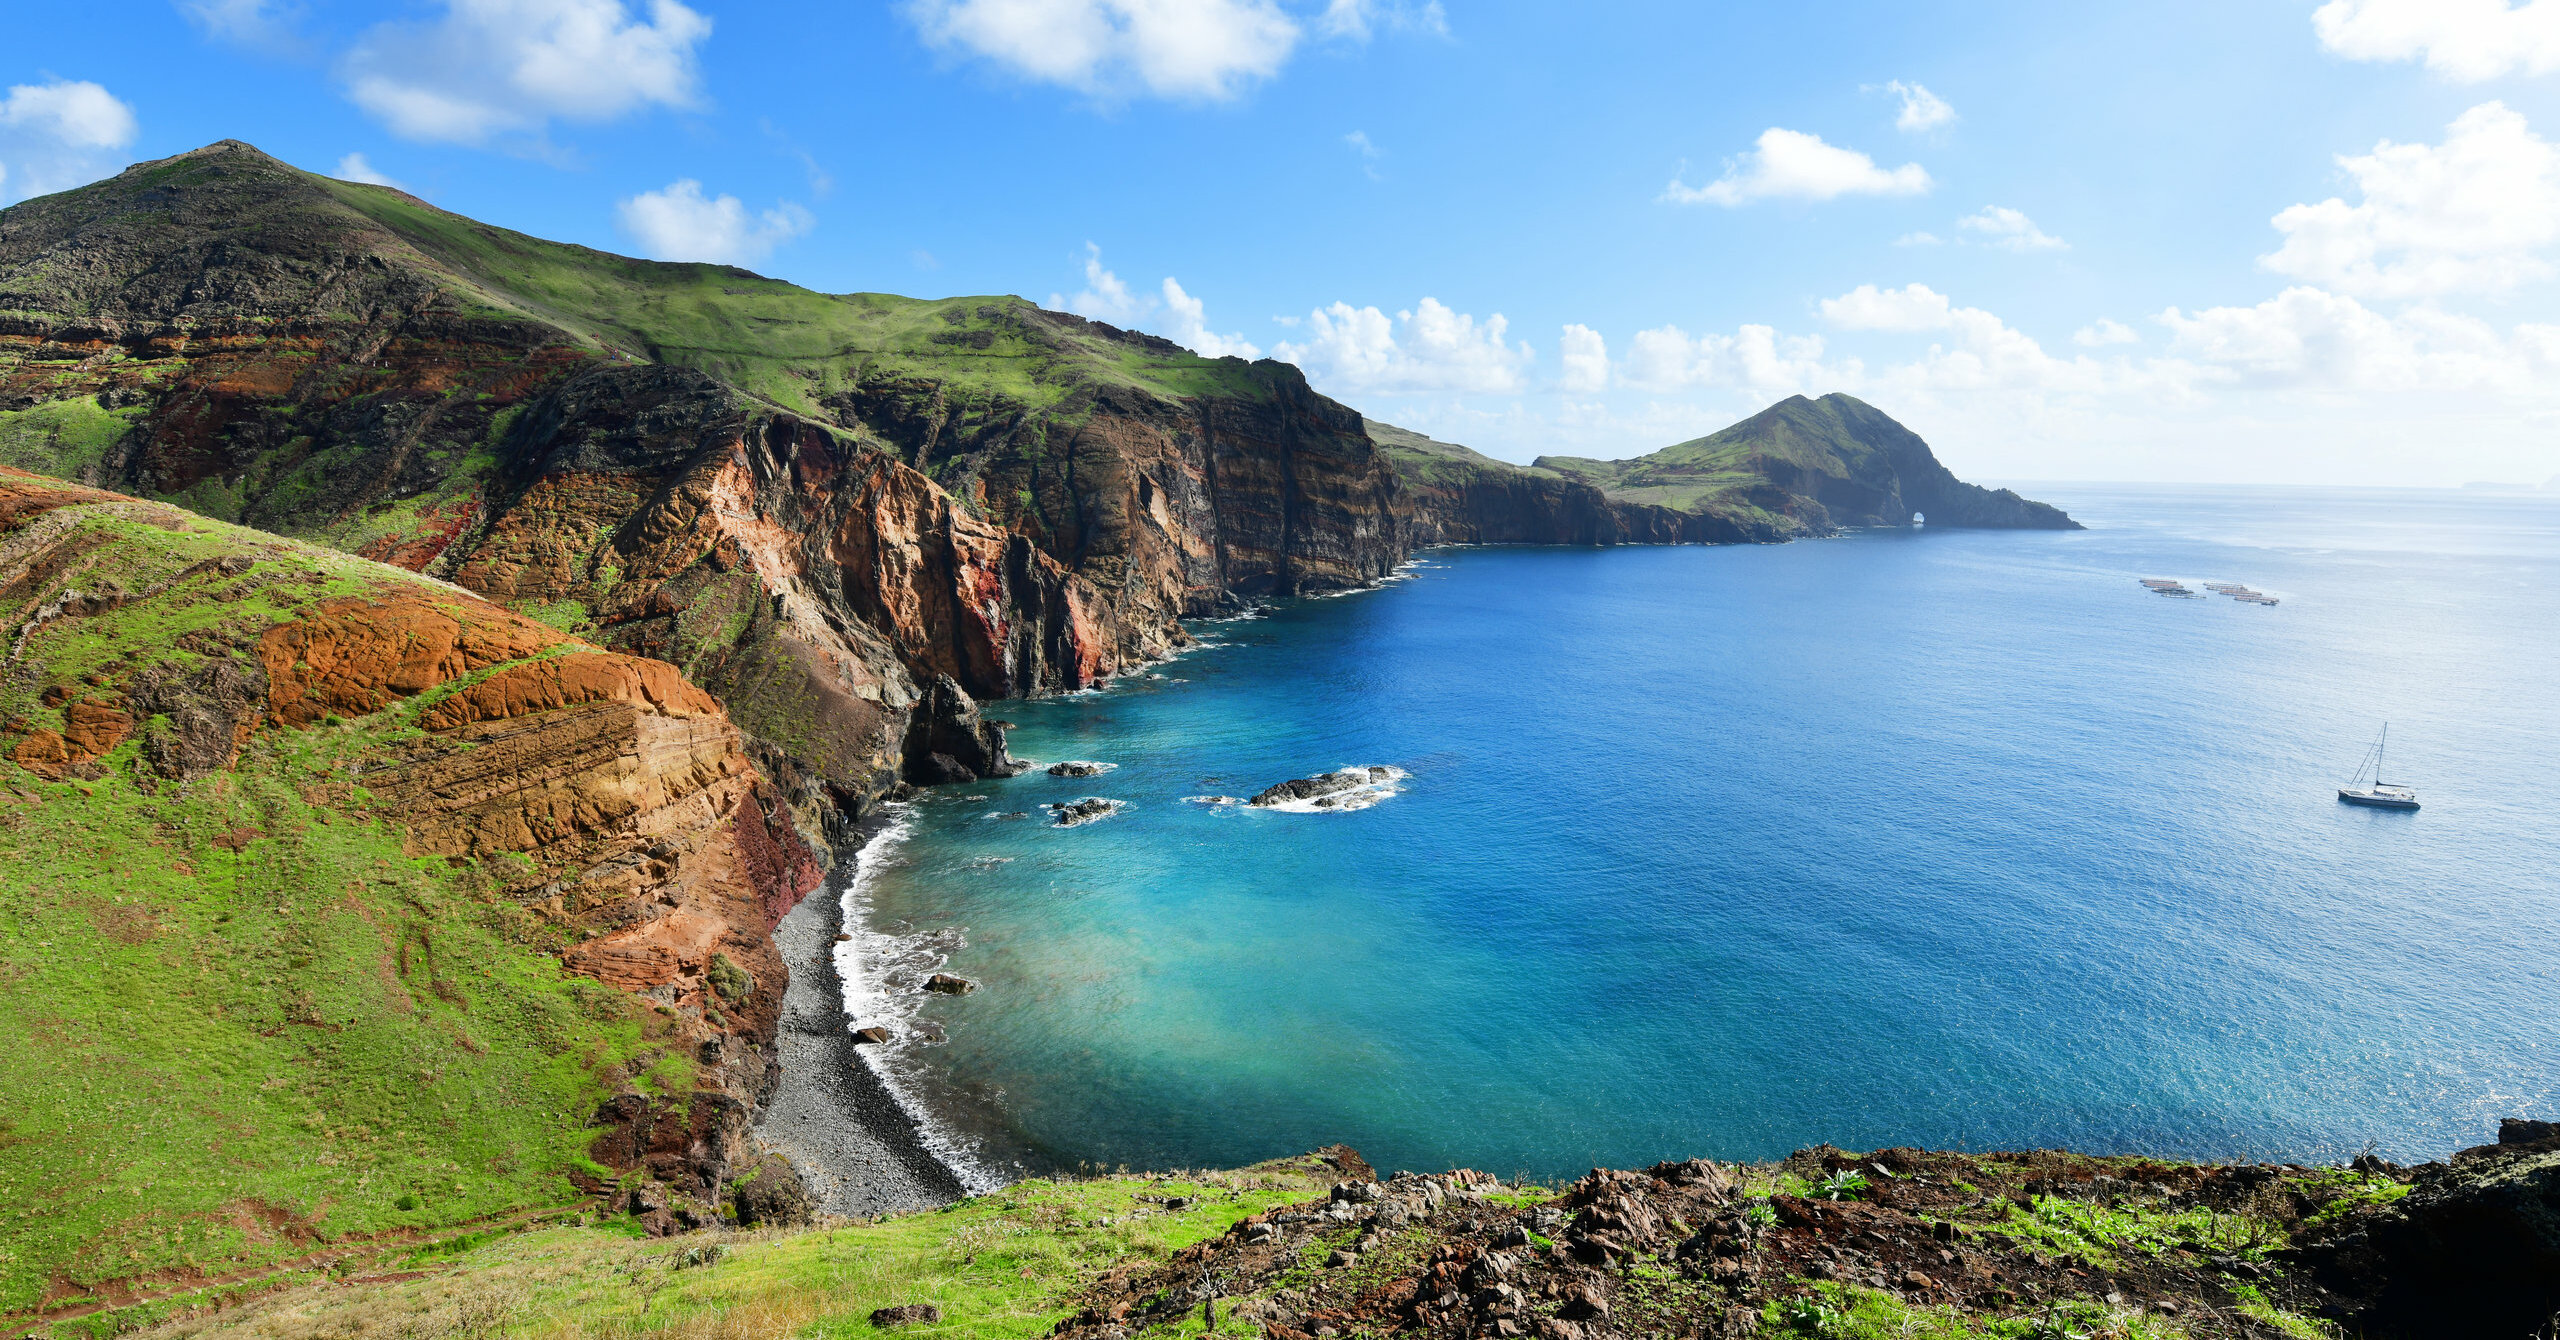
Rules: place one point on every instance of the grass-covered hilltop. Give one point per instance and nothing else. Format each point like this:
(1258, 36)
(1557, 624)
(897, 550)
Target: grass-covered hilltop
(437, 658)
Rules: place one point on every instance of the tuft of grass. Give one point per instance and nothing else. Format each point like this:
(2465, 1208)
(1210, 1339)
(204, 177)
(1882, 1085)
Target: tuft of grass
(2344, 1191)
(1832, 1311)
(2101, 1235)
(2253, 1304)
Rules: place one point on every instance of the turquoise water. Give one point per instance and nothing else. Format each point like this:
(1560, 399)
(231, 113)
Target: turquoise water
(1938, 838)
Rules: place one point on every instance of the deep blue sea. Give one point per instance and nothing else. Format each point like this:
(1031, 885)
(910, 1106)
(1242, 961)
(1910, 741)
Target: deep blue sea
(1943, 838)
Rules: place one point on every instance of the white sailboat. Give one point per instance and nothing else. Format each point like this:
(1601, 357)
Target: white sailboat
(2367, 786)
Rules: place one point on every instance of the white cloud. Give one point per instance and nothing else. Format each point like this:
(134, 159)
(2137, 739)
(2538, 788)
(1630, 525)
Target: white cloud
(1667, 358)
(1104, 297)
(2310, 338)
(1200, 50)
(1913, 307)
(2467, 40)
(1427, 348)
(1179, 316)
(491, 68)
(77, 115)
(1922, 110)
(2102, 332)
(251, 23)
(60, 134)
(680, 223)
(1187, 324)
(1792, 165)
(353, 167)
(1369, 153)
(2470, 215)
(1980, 352)
(1585, 359)
(1919, 240)
(1356, 20)
(2004, 227)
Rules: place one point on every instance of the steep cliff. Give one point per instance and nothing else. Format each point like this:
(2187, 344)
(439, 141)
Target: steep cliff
(1810, 467)
(345, 904)
(816, 505)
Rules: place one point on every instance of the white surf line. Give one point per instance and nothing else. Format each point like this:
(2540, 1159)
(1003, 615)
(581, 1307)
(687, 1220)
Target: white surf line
(864, 964)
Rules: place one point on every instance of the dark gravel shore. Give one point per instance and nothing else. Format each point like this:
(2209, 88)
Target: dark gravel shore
(831, 1116)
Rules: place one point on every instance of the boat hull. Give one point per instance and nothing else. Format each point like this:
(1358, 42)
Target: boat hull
(2367, 798)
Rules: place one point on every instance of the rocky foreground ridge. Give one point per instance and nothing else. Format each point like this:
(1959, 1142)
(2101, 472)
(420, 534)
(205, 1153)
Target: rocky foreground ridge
(1884, 1245)
(818, 507)
(345, 905)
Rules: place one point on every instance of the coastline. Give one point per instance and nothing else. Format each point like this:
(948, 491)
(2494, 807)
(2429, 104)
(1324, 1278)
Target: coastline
(859, 1152)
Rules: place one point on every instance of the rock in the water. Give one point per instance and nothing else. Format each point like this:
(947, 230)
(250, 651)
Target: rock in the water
(1076, 767)
(940, 769)
(947, 741)
(1349, 788)
(907, 1314)
(944, 983)
(874, 1035)
(1083, 811)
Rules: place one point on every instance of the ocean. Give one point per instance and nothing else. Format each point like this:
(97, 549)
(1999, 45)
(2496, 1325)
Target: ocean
(1956, 839)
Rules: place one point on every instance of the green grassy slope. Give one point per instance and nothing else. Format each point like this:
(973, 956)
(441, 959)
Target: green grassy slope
(776, 340)
(240, 1024)
(1001, 1267)
(1433, 461)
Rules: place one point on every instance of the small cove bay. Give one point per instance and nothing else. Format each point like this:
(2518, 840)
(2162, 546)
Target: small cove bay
(1939, 838)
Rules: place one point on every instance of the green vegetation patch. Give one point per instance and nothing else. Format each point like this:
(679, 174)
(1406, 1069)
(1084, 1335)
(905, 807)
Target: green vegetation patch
(67, 438)
(776, 341)
(1849, 1312)
(2104, 1236)
(1000, 1267)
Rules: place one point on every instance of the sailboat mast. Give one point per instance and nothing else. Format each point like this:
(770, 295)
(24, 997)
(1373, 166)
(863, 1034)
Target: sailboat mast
(2378, 747)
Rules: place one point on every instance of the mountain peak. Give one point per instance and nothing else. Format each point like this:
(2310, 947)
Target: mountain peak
(1810, 464)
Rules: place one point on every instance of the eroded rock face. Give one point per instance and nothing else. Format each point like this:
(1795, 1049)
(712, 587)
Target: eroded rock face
(623, 799)
(2474, 1249)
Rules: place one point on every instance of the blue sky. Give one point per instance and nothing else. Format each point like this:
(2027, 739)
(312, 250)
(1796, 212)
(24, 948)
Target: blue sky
(2161, 242)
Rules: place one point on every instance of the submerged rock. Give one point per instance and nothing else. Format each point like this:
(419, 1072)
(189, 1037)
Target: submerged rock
(943, 983)
(1076, 767)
